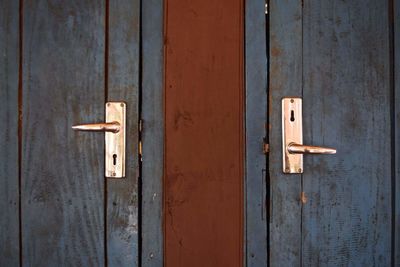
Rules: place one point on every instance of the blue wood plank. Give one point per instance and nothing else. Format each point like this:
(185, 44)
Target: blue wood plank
(396, 141)
(285, 80)
(123, 85)
(347, 98)
(153, 133)
(256, 112)
(9, 195)
(62, 171)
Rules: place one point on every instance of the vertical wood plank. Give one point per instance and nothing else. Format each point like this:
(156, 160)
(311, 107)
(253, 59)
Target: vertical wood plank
(204, 133)
(152, 133)
(285, 80)
(347, 105)
(62, 170)
(9, 195)
(396, 125)
(256, 112)
(123, 85)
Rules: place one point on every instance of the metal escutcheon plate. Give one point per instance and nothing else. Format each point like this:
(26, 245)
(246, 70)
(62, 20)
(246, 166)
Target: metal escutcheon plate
(292, 132)
(115, 142)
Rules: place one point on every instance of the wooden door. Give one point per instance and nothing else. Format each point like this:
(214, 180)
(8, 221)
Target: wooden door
(225, 202)
(60, 62)
(204, 133)
(339, 57)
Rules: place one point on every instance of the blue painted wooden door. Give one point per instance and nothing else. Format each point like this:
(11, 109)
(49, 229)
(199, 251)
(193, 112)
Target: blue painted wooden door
(60, 61)
(339, 57)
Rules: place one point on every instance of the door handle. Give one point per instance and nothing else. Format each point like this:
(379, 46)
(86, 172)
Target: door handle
(294, 148)
(292, 137)
(114, 128)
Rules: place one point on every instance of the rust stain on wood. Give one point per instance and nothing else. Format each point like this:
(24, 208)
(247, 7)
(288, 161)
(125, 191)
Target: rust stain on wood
(203, 180)
(275, 51)
(303, 198)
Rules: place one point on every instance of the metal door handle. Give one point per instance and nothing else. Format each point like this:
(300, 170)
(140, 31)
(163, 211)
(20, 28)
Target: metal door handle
(114, 128)
(292, 137)
(294, 148)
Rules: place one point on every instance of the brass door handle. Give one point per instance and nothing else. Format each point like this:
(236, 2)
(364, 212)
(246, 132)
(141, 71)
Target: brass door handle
(292, 137)
(115, 132)
(294, 148)
(113, 127)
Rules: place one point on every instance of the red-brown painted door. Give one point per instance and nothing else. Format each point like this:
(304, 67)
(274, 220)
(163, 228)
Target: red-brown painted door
(204, 149)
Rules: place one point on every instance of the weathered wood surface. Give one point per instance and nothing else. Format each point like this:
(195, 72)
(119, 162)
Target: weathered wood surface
(62, 171)
(123, 85)
(153, 133)
(347, 105)
(285, 80)
(9, 196)
(344, 74)
(204, 133)
(256, 118)
(396, 141)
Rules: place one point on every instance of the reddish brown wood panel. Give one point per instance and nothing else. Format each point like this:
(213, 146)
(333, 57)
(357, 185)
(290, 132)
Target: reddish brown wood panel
(204, 148)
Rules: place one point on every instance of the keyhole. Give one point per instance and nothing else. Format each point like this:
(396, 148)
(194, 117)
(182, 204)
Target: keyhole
(115, 159)
(292, 115)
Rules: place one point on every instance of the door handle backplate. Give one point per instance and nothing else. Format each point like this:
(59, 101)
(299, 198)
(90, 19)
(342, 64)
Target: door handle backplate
(115, 131)
(292, 137)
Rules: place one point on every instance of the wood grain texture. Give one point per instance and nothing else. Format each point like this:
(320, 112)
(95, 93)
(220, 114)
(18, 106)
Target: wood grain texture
(62, 171)
(204, 133)
(396, 125)
(9, 195)
(256, 112)
(285, 80)
(152, 133)
(347, 105)
(123, 85)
